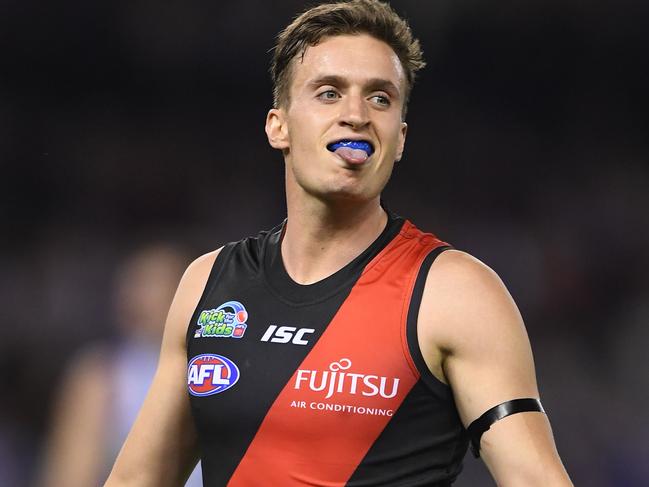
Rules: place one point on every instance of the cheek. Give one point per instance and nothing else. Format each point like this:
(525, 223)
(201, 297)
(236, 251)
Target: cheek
(303, 134)
(393, 141)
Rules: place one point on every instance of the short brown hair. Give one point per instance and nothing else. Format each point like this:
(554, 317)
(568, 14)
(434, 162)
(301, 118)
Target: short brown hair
(371, 17)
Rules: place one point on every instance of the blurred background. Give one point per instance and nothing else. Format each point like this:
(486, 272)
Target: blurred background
(131, 126)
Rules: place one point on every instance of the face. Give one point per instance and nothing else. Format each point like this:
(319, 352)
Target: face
(347, 88)
(145, 286)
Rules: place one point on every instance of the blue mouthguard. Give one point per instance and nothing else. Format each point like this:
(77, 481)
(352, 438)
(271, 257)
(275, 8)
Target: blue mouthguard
(353, 144)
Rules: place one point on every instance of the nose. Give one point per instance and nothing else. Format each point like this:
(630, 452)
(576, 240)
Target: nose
(354, 112)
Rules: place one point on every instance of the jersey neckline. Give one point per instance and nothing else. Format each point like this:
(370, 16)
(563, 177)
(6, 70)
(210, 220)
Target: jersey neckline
(301, 294)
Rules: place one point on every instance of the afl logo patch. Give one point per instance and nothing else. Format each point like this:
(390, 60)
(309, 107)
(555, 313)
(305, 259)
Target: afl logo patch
(209, 374)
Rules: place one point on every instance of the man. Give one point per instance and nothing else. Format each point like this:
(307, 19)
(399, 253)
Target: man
(105, 384)
(344, 347)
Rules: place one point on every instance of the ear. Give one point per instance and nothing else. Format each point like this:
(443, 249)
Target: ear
(402, 140)
(276, 129)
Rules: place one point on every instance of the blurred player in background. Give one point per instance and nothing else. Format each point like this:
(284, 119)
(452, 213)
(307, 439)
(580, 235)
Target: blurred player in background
(105, 385)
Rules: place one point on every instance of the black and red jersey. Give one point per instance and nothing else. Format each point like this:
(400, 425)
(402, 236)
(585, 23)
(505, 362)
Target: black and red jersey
(320, 384)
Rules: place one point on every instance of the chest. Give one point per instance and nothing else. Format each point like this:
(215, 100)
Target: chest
(254, 357)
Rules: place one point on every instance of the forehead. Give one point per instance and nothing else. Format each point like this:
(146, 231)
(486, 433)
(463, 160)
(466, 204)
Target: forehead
(355, 57)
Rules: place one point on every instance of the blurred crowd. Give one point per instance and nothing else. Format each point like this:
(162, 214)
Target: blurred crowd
(131, 142)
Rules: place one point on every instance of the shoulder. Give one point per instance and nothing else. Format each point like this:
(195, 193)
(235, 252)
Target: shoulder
(190, 289)
(459, 279)
(462, 267)
(465, 306)
(200, 268)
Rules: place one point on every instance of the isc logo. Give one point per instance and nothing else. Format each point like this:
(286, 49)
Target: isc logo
(285, 334)
(209, 374)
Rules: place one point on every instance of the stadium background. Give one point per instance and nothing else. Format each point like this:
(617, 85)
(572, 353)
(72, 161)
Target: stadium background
(123, 123)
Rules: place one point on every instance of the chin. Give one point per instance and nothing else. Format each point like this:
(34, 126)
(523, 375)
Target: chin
(346, 193)
(338, 187)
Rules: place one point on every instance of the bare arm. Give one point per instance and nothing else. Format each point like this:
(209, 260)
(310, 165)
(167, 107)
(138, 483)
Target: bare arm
(75, 449)
(161, 448)
(472, 337)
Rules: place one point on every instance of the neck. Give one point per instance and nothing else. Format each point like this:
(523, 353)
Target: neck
(322, 237)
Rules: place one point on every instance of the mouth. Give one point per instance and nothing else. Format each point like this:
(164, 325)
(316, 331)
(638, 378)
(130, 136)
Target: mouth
(352, 151)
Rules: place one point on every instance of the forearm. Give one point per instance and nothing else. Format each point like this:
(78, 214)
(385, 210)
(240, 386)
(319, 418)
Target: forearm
(139, 467)
(160, 449)
(519, 451)
(537, 477)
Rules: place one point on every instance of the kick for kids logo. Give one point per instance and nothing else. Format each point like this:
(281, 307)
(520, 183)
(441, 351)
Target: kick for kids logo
(226, 321)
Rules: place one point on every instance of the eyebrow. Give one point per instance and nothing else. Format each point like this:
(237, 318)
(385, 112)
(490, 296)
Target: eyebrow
(372, 84)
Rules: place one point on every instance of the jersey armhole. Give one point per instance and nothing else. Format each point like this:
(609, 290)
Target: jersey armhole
(215, 272)
(435, 385)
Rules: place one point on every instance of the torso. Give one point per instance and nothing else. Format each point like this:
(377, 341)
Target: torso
(320, 384)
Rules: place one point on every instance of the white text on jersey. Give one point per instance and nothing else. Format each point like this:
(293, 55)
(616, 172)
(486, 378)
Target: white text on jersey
(285, 334)
(335, 380)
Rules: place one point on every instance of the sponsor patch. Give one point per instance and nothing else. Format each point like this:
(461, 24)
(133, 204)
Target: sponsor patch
(226, 321)
(341, 389)
(285, 334)
(340, 380)
(209, 374)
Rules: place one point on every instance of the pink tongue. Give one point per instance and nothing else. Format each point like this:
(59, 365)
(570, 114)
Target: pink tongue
(352, 156)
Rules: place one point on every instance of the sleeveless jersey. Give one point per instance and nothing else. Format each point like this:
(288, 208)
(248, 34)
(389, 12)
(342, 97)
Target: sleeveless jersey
(321, 384)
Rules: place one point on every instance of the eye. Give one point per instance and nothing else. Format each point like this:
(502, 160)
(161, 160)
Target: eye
(381, 100)
(329, 95)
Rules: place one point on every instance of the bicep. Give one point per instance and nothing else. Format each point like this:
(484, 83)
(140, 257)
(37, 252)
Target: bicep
(469, 318)
(161, 447)
(487, 360)
(490, 358)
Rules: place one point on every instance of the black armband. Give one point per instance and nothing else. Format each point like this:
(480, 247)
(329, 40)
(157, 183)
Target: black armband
(496, 413)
